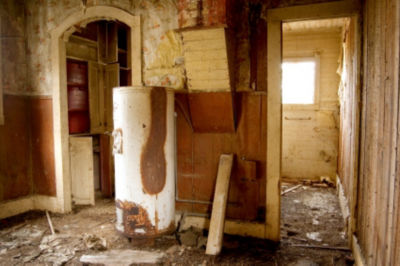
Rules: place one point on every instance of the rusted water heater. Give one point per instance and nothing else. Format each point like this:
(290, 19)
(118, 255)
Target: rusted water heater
(144, 161)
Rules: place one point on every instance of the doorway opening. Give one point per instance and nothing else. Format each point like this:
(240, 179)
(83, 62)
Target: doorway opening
(97, 57)
(315, 112)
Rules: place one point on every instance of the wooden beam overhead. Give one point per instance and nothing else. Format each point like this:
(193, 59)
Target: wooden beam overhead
(314, 11)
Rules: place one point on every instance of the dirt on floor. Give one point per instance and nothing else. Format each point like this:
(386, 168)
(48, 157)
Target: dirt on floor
(312, 231)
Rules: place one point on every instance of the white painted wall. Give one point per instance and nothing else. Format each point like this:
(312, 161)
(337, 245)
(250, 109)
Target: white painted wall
(310, 136)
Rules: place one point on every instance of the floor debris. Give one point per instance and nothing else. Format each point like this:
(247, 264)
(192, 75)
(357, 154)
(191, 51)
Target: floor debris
(124, 257)
(50, 223)
(94, 242)
(27, 239)
(314, 236)
(290, 189)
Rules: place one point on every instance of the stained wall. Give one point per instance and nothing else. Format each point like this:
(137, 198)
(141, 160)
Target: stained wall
(378, 208)
(15, 165)
(310, 134)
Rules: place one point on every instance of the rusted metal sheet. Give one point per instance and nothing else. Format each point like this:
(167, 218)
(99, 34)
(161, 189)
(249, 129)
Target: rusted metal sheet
(198, 153)
(136, 222)
(144, 170)
(43, 170)
(153, 162)
(212, 112)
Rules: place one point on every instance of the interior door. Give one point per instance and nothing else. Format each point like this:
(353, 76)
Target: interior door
(111, 77)
(81, 167)
(96, 98)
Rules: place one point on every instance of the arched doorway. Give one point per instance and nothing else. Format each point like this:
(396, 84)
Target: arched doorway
(58, 74)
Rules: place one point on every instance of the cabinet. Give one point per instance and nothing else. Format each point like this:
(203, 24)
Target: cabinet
(102, 80)
(78, 102)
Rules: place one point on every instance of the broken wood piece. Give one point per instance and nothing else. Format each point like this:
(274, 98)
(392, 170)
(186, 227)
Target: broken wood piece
(321, 247)
(50, 223)
(216, 231)
(124, 257)
(290, 189)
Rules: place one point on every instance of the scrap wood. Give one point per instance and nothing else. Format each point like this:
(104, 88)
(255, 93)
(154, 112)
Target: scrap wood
(50, 223)
(217, 222)
(321, 247)
(290, 189)
(124, 257)
(12, 229)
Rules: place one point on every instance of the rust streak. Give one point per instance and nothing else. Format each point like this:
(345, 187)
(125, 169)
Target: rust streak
(153, 165)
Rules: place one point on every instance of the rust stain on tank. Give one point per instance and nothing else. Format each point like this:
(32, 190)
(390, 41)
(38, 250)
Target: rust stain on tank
(137, 223)
(135, 219)
(153, 164)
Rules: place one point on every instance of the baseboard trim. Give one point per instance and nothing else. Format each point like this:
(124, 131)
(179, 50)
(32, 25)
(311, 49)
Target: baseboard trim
(15, 207)
(48, 203)
(232, 227)
(29, 203)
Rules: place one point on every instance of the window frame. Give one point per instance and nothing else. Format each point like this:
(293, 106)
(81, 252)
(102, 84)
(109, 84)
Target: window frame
(313, 106)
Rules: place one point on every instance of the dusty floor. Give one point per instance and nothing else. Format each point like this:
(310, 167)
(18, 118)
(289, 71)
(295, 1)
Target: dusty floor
(311, 226)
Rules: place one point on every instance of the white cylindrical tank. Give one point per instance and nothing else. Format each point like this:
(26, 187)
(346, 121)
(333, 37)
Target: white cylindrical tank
(144, 160)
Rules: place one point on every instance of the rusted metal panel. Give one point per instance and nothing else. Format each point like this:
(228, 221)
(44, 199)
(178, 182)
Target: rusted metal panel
(153, 162)
(144, 170)
(136, 222)
(212, 112)
(15, 179)
(43, 168)
(198, 153)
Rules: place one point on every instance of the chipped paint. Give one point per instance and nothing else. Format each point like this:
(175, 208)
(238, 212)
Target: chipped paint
(157, 17)
(136, 222)
(167, 67)
(144, 172)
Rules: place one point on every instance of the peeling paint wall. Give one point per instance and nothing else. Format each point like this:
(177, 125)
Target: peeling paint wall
(158, 19)
(15, 176)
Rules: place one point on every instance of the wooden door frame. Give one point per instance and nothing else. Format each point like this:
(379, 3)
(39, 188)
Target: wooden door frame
(275, 18)
(59, 36)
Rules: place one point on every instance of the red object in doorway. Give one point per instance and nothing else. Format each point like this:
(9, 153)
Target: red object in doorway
(78, 100)
(78, 122)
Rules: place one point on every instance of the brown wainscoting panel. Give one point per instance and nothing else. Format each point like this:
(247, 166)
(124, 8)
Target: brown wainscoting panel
(198, 156)
(212, 112)
(43, 168)
(15, 178)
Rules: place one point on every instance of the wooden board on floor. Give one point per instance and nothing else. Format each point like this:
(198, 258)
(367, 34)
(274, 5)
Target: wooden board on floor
(214, 241)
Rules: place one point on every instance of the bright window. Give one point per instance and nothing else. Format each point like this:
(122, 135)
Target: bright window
(298, 81)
